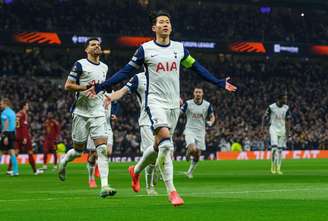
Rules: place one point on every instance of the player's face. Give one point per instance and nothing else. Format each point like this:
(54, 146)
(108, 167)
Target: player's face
(284, 100)
(198, 94)
(50, 115)
(26, 106)
(3, 105)
(163, 26)
(94, 48)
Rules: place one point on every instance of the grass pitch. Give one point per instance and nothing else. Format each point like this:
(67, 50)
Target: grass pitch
(220, 190)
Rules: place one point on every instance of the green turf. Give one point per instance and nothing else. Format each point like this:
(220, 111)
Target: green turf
(220, 190)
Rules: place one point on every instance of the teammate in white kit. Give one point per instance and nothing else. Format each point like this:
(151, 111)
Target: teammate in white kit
(197, 111)
(278, 115)
(137, 85)
(161, 59)
(91, 148)
(88, 113)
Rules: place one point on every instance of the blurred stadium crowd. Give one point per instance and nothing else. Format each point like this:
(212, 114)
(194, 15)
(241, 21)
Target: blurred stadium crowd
(212, 20)
(27, 76)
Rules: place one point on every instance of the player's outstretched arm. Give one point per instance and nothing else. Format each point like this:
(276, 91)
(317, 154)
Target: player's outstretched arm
(117, 95)
(127, 71)
(72, 86)
(119, 76)
(71, 83)
(190, 62)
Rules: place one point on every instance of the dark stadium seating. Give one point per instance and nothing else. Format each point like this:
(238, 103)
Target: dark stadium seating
(239, 115)
(212, 20)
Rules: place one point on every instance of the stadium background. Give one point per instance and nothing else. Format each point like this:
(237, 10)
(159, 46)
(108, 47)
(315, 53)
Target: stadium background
(266, 46)
(247, 40)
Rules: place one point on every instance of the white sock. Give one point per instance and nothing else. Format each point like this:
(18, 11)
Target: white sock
(149, 172)
(148, 157)
(91, 171)
(165, 164)
(192, 166)
(102, 153)
(274, 156)
(279, 160)
(70, 155)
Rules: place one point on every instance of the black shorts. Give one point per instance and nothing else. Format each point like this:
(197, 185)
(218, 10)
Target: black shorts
(11, 141)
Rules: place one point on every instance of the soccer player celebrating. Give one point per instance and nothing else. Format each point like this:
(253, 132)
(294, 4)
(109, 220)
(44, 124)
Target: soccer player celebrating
(88, 113)
(278, 115)
(8, 133)
(161, 59)
(23, 137)
(137, 85)
(52, 132)
(197, 111)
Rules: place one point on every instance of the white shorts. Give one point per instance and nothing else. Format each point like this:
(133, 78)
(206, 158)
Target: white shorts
(91, 144)
(278, 139)
(192, 137)
(163, 117)
(83, 127)
(147, 137)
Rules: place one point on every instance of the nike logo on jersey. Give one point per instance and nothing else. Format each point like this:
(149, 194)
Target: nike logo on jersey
(153, 55)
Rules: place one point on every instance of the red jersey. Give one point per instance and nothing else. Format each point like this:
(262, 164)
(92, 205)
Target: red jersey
(52, 128)
(22, 125)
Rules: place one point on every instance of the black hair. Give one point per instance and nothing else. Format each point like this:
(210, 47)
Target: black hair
(282, 95)
(7, 101)
(22, 104)
(199, 87)
(154, 14)
(90, 39)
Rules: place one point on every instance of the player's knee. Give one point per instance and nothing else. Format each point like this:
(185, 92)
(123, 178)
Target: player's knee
(192, 149)
(102, 150)
(165, 143)
(100, 141)
(79, 146)
(161, 133)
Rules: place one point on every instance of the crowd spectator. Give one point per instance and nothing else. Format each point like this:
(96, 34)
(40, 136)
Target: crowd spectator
(238, 115)
(194, 19)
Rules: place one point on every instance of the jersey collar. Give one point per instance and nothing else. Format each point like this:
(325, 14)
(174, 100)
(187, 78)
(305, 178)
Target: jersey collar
(197, 103)
(93, 62)
(160, 45)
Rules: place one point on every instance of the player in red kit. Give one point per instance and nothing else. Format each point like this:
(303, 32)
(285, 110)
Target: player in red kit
(23, 141)
(52, 131)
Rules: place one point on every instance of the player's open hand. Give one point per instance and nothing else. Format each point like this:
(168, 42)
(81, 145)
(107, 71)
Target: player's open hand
(107, 101)
(114, 117)
(91, 92)
(228, 86)
(209, 123)
(181, 102)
